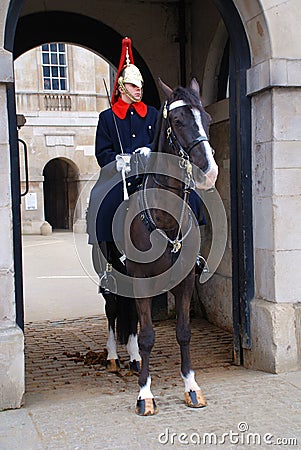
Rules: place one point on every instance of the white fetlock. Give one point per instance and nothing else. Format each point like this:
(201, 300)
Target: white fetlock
(113, 364)
(111, 346)
(132, 348)
(145, 391)
(190, 383)
(146, 405)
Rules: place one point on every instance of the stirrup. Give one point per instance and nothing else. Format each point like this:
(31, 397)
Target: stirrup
(107, 282)
(202, 265)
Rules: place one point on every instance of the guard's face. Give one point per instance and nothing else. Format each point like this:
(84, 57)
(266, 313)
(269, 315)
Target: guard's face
(134, 90)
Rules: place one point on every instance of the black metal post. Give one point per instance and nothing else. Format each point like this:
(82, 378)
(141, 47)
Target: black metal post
(16, 200)
(182, 41)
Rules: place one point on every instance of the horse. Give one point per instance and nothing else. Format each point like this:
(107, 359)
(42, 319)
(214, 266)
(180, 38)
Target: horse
(188, 163)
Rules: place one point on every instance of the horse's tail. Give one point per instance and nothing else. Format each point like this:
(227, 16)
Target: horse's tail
(127, 318)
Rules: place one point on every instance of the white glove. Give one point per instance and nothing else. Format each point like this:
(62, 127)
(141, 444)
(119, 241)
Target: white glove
(145, 151)
(123, 162)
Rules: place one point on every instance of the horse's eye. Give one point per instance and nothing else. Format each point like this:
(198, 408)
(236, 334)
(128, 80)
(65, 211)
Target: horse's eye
(178, 123)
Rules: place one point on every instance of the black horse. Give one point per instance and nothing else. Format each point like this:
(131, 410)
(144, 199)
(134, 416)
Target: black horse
(159, 220)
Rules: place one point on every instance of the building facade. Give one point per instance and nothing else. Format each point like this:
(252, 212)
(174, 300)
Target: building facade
(247, 58)
(60, 90)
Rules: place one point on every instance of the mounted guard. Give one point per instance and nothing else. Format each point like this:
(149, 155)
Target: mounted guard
(126, 134)
(128, 126)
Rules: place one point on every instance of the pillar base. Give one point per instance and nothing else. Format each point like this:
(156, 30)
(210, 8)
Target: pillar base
(276, 337)
(36, 227)
(12, 380)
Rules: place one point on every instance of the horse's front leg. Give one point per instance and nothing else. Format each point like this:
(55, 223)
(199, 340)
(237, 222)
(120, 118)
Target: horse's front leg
(192, 393)
(146, 405)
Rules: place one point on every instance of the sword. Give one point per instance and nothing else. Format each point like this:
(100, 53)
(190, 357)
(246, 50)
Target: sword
(125, 191)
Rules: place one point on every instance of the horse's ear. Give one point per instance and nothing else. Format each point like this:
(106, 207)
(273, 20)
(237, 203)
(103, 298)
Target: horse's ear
(194, 85)
(166, 89)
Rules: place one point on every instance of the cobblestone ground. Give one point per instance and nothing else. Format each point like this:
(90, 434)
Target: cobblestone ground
(71, 353)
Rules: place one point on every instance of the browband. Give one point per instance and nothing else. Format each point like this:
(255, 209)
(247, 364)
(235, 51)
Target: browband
(176, 104)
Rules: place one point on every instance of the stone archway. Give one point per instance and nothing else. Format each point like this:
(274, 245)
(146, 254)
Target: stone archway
(274, 64)
(81, 30)
(12, 124)
(73, 27)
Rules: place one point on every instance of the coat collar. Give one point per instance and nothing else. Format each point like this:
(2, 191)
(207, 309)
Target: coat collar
(120, 108)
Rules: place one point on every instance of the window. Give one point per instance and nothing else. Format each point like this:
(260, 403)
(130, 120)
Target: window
(54, 62)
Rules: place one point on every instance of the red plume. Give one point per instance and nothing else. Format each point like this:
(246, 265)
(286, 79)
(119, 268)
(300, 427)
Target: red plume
(126, 58)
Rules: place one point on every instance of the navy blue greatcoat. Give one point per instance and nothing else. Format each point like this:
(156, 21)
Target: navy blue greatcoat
(134, 132)
(107, 194)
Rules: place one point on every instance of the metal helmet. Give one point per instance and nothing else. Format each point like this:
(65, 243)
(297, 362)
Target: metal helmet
(131, 74)
(127, 72)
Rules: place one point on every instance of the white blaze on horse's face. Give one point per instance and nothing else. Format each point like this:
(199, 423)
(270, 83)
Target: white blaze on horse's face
(212, 170)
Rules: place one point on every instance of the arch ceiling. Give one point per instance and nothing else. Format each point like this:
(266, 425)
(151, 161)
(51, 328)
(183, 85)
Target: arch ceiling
(81, 30)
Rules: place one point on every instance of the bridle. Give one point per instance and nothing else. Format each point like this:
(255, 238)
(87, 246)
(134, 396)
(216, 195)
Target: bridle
(182, 152)
(189, 183)
(171, 136)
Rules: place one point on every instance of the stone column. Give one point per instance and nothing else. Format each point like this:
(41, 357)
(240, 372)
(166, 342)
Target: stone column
(11, 337)
(276, 310)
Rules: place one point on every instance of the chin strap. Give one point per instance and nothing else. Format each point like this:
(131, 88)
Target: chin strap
(127, 93)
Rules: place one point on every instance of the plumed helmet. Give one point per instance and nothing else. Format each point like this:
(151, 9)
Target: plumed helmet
(127, 72)
(131, 74)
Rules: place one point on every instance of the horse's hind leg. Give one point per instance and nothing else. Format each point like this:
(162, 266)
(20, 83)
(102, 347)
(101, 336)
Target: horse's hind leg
(146, 405)
(133, 351)
(113, 364)
(193, 394)
(132, 344)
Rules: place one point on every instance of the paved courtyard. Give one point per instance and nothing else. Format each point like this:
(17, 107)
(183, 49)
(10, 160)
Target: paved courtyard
(246, 409)
(71, 402)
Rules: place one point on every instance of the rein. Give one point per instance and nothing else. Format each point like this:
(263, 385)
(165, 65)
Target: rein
(146, 217)
(166, 186)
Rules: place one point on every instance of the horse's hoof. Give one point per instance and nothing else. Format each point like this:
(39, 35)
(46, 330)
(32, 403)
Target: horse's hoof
(146, 407)
(195, 399)
(113, 365)
(134, 366)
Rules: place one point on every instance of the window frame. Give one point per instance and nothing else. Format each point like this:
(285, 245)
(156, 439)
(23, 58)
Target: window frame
(54, 56)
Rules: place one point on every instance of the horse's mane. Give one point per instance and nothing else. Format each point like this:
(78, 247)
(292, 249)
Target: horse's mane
(159, 124)
(190, 97)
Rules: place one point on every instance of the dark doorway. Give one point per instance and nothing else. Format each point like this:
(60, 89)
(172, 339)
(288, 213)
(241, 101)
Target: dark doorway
(60, 193)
